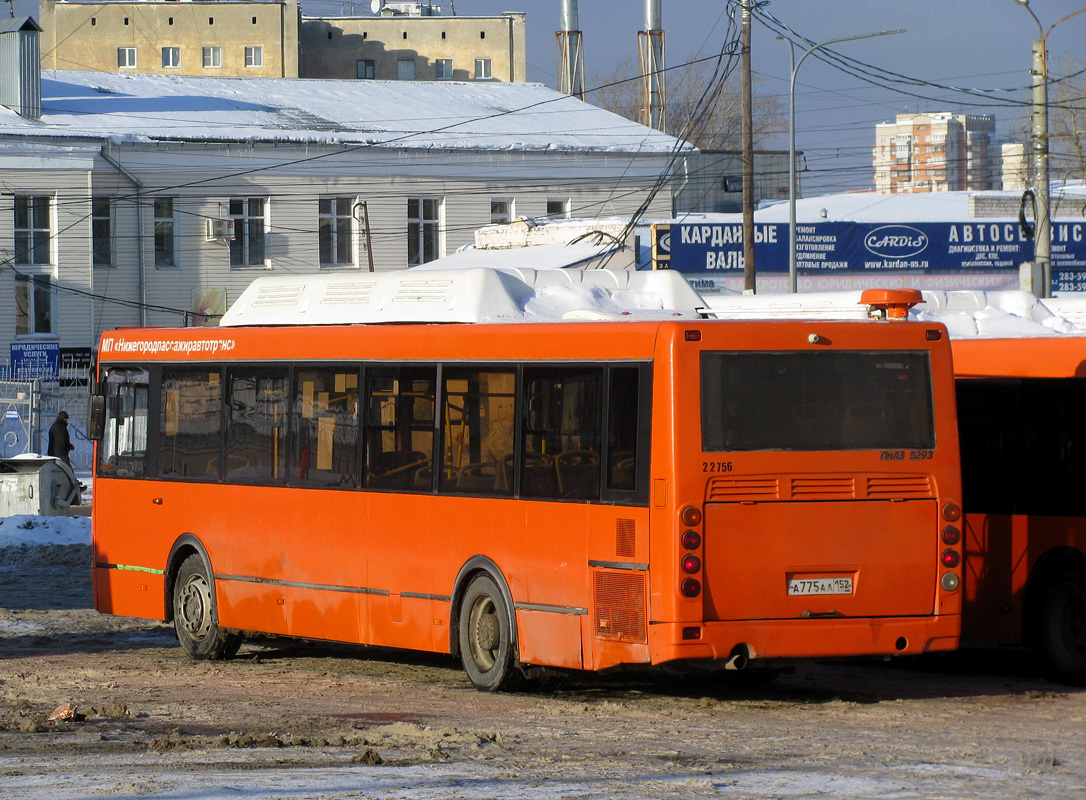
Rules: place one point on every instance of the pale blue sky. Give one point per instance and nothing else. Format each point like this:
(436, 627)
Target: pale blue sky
(968, 44)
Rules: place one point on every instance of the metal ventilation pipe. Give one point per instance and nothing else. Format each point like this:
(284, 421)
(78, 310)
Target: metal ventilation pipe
(570, 46)
(651, 53)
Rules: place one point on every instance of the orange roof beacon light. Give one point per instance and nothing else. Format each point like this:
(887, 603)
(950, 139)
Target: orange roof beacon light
(892, 304)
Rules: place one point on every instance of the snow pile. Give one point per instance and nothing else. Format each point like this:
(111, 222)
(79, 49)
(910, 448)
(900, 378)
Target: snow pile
(966, 314)
(993, 315)
(31, 531)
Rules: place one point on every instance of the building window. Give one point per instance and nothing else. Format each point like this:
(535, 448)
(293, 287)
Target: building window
(254, 56)
(501, 210)
(424, 232)
(32, 233)
(558, 208)
(483, 69)
(171, 56)
(405, 69)
(101, 232)
(126, 58)
(247, 246)
(33, 304)
(365, 69)
(165, 230)
(443, 69)
(212, 57)
(335, 233)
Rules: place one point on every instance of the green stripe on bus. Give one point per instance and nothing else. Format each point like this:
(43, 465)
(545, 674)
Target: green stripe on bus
(130, 568)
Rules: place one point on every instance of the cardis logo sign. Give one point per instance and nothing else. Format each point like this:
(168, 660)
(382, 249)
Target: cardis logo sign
(896, 241)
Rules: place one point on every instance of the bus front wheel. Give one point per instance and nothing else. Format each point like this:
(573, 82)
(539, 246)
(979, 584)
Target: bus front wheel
(194, 616)
(1062, 633)
(486, 637)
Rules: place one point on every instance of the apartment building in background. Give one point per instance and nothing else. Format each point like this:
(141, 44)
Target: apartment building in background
(245, 38)
(408, 44)
(936, 152)
(270, 38)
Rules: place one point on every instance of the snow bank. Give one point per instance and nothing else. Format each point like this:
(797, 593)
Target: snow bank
(34, 531)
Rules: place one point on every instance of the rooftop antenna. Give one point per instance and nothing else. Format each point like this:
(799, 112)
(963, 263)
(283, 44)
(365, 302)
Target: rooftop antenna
(11, 6)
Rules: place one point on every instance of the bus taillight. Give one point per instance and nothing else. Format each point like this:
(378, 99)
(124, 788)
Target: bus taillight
(951, 535)
(951, 559)
(690, 587)
(691, 540)
(949, 581)
(691, 564)
(952, 512)
(690, 516)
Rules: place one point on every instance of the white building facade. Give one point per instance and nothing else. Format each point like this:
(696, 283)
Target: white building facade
(154, 200)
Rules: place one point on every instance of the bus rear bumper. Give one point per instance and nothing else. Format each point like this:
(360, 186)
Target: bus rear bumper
(803, 638)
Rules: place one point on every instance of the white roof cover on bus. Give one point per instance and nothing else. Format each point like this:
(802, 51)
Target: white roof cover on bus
(464, 295)
(966, 313)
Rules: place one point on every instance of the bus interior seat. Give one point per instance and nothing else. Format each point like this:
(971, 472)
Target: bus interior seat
(578, 474)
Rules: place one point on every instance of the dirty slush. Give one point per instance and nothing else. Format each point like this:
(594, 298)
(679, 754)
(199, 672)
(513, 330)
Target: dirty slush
(306, 719)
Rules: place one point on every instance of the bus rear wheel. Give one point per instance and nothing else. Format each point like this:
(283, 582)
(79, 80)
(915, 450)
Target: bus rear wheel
(194, 615)
(1062, 633)
(486, 638)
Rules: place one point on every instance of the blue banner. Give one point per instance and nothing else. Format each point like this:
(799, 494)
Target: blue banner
(30, 360)
(829, 247)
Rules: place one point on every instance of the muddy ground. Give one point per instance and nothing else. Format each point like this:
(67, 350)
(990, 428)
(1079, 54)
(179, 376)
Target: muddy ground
(289, 719)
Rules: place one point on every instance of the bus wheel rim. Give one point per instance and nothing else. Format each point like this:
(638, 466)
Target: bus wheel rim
(484, 633)
(194, 607)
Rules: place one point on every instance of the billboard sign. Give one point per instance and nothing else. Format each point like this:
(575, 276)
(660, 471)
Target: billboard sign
(862, 247)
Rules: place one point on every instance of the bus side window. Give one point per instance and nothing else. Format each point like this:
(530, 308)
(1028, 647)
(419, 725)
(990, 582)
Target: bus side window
(123, 449)
(256, 426)
(563, 433)
(478, 412)
(190, 424)
(399, 432)
(622, 428)
(325, 425)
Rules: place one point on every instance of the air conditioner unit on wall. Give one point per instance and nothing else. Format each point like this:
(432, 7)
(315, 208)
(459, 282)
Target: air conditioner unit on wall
(220, 229)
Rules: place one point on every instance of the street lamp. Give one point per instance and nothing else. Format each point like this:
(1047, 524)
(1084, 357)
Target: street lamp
(1042, 248)
(792, 278)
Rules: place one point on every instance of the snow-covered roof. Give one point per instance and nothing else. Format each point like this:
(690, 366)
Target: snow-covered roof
(464, 295)
(544, 256)
(966, 314)
(903, 207)
(402, 114)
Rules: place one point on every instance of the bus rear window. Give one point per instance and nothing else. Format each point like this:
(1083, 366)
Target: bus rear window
(816, 400)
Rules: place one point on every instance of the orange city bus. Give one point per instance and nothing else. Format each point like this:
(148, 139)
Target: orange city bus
(574, 495)
(1021, 405)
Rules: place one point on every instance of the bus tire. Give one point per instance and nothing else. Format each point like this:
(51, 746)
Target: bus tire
(486, 637)
(194, 615)
(1061, 635)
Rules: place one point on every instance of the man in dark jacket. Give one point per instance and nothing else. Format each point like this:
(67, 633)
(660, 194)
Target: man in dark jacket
(60, 443)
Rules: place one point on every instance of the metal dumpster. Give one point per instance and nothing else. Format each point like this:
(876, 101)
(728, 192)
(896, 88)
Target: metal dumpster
(37, 485)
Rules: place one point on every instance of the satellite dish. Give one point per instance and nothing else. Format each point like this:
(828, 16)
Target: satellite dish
(376, 6)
